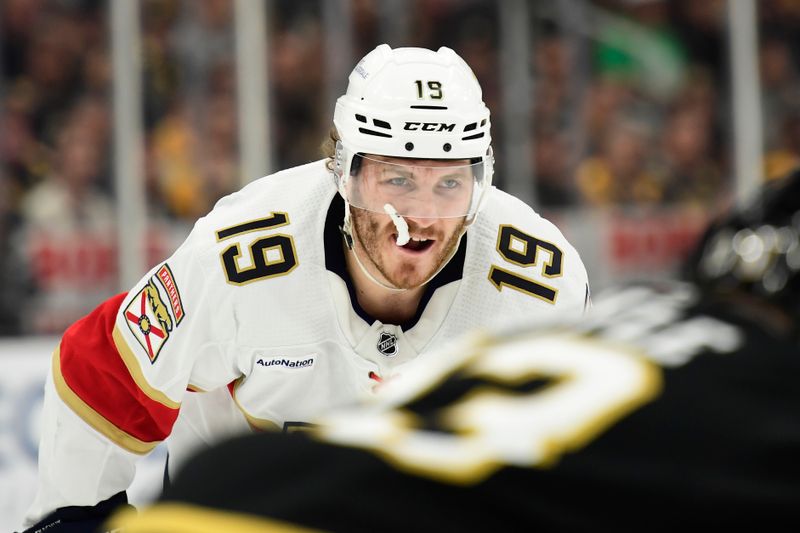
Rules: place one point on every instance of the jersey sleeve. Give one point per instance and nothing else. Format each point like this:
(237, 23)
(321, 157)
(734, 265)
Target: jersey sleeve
(119, 374)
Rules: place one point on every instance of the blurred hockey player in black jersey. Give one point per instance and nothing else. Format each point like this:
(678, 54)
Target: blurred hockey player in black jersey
(671, 406)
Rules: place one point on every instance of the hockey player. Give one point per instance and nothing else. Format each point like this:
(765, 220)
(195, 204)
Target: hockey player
(669, 408)
(304, 290)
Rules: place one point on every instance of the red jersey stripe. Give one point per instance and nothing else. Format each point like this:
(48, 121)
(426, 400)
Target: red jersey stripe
(93, 368)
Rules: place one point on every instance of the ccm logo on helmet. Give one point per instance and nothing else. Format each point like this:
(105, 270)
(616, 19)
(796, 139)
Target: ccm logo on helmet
(429, 126)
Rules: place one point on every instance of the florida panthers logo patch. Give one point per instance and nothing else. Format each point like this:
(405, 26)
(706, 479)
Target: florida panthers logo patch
(149, 319)
(387, 344)
(164, 275)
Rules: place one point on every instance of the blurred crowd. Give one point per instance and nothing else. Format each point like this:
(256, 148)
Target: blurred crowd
(631, 108)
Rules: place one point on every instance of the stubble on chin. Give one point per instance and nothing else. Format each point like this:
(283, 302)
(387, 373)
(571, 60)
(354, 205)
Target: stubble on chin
(370, 232)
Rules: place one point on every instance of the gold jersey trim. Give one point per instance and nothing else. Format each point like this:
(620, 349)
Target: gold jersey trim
(186, 518)
(92, 417)
(132, 363)
(257, 424)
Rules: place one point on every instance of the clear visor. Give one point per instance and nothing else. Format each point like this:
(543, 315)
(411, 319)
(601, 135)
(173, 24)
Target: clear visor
(423, 189)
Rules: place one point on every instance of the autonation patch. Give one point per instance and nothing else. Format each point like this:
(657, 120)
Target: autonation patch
(282, 362)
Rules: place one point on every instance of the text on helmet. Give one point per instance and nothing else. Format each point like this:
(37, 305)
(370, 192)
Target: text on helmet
(428, 126)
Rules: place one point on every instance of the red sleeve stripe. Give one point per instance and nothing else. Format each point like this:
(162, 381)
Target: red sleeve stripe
(132, 364)
(101, 381)
(93, 418)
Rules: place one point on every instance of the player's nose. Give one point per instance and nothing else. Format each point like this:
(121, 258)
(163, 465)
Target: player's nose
(424, 210)
(422, 219)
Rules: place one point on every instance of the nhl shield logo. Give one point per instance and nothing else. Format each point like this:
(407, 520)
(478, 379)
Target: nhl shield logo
(387, 344)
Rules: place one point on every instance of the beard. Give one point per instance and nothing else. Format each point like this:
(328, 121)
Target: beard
(373, 231)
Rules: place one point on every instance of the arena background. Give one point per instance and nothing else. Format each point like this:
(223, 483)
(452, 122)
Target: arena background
(629, 123)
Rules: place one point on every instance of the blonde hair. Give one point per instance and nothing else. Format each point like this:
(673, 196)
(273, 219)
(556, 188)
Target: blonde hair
(328, 147)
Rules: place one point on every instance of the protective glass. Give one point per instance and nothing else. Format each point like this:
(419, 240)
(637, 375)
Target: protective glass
(430, 189)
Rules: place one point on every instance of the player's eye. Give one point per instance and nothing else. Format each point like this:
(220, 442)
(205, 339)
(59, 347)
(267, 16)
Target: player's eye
(398, 181)
(450, 183)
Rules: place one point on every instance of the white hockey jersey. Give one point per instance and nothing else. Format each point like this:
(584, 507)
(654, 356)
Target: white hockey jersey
(256, 316)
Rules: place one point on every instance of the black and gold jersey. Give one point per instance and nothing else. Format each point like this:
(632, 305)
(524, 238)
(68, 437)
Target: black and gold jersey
(661, 409)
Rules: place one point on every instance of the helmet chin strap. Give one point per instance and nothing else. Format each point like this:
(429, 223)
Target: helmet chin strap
(402, 228)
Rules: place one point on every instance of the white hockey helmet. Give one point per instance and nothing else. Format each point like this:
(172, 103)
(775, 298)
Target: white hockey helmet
(413, 103)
